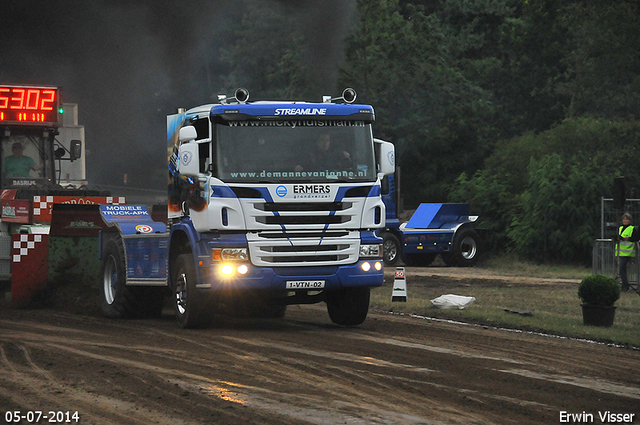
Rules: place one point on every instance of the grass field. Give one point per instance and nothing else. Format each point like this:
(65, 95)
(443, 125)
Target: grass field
(553, 304)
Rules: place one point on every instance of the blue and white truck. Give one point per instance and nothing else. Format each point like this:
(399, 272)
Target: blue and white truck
(433, 229)
(271, 203)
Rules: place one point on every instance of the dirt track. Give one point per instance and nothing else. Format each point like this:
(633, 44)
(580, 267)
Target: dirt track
(302, 369)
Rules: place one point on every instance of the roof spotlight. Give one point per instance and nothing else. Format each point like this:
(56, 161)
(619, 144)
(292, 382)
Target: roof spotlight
(242, 95)
(348, 96)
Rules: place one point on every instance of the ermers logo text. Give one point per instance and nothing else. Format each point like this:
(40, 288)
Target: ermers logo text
(311, 188)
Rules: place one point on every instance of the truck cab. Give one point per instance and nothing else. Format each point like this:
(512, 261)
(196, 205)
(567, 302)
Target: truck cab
(270, 203)
(276, 198)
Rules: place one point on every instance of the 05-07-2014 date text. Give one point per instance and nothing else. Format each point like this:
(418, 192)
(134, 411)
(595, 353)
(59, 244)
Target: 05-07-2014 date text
(37, 416)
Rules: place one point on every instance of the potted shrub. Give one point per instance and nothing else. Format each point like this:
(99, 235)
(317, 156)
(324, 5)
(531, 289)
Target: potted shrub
(598, 294)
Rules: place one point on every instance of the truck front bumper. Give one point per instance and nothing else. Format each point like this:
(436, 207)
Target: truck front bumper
(364, 273)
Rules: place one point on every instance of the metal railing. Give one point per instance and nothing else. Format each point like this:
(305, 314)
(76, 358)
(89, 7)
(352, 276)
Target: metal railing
(605, 261)
(610, 217)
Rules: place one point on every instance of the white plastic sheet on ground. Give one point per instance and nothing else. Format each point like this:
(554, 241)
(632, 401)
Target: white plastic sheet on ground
(450, 301)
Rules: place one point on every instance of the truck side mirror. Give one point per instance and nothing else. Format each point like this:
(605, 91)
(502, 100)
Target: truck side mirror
(188, 159)
(75, 149)
(188, 133)
(386, 157)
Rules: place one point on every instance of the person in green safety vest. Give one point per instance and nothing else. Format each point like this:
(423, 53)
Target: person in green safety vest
(625, 248)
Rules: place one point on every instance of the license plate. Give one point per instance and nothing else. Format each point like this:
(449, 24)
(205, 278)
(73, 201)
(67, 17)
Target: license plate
(305, 284)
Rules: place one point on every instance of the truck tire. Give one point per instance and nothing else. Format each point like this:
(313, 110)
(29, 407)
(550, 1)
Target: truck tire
(190, 306)
(465, 251)
(348, 306)
(117, 300)
(390, 249)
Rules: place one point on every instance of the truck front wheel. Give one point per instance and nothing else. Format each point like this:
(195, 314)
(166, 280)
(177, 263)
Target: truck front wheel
(465, 251)
(390, 249)
(348, 306)
(190, 306)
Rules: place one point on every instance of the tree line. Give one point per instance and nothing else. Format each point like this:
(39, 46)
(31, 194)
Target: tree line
(526, 109)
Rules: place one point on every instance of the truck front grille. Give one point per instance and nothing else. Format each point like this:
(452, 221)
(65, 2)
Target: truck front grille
(297, 206)
(303, 248)
(302, 219)
(301, 216)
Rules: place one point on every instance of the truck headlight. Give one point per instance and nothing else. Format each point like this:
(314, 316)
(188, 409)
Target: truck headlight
(235, 254)
(230, 254)
(371, 251)
(230, 270)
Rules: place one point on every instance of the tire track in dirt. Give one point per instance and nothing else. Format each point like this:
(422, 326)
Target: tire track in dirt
(303, 369)
(309, 375)
(301, 365)
(257, 397)
(371, 379)
(350, 410)
(48, 393)
(529, 351)
(92, 405)
(592, 383)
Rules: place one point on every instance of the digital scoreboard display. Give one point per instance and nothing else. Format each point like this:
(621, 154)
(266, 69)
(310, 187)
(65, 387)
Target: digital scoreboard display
(29, 105)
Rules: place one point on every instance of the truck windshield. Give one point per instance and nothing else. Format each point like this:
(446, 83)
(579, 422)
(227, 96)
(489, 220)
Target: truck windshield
(24, 159)
(281, 151)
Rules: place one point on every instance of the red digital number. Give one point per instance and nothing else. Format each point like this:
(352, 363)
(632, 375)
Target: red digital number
(33, 99)
(27, 99)
(4, 100)
(48, 100)
(31, 104)
(18, 99)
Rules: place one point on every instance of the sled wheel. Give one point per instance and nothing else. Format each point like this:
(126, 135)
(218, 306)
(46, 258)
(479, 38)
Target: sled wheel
(390, 249)
(465, 251)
